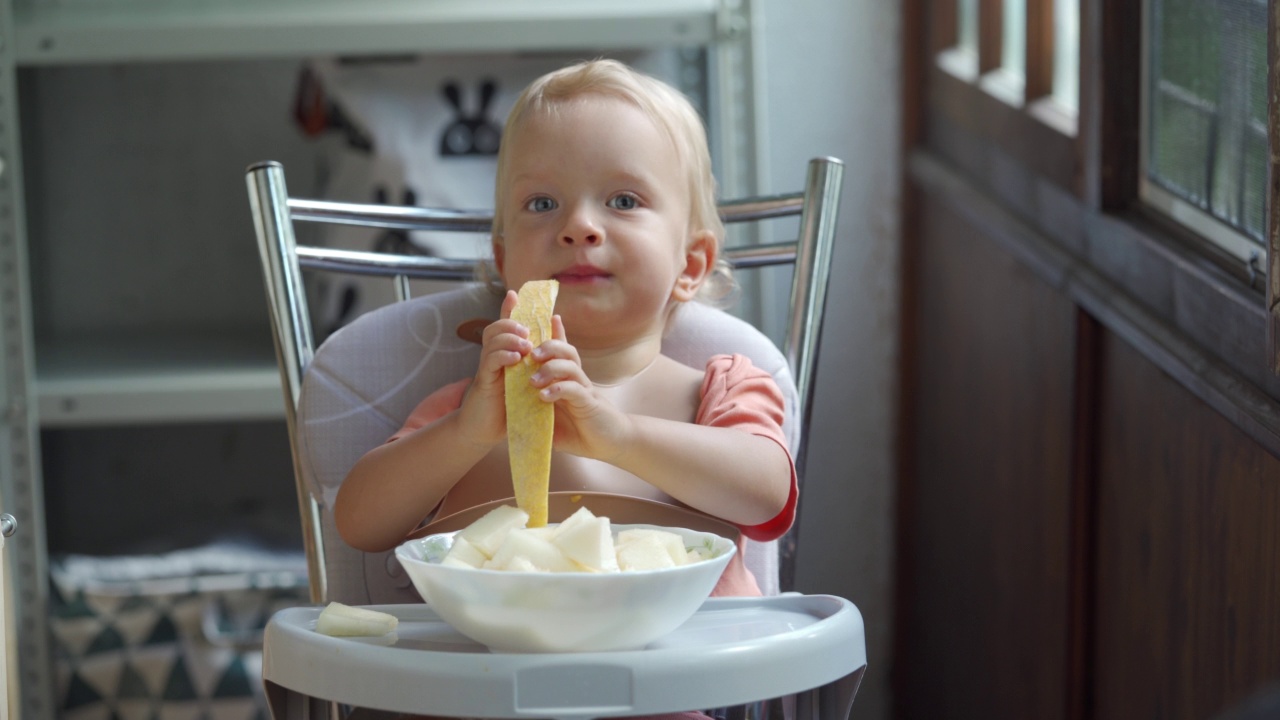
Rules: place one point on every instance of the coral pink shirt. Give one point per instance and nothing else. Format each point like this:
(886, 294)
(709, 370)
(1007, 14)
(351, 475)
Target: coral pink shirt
(734, 394)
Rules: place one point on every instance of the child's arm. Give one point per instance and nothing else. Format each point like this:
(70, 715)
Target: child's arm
(394, 486)
(734, 475)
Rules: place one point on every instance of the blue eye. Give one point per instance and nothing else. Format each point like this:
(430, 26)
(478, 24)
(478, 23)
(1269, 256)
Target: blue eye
(624, 202)
(541, 204)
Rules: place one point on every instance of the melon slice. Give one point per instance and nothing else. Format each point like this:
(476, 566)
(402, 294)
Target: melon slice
(341, 620)
(530, 421)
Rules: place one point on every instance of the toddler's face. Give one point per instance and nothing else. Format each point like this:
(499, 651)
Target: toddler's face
(596, 198)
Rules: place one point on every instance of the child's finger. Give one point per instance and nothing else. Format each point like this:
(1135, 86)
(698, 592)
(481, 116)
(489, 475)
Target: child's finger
(494, 362)
(557, 328)
(568, 393)
(553, 349)
(501, 350)
(506, 326)
(559, 370)
(508, 304)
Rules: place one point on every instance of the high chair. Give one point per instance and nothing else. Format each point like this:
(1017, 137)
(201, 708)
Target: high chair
(354, 390)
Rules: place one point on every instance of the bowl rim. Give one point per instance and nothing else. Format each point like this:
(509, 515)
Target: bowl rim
(722, 558)
(563, 503)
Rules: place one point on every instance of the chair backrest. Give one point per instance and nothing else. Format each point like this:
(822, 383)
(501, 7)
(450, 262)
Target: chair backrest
(356, 389)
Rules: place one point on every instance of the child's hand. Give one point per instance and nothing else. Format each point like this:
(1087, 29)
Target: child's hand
(483, 415)
(587, 424)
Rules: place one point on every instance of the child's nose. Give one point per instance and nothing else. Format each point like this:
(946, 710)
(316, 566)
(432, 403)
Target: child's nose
(582, 229)
(589, 238)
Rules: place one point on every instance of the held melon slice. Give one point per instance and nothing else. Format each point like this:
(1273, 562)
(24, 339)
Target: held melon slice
(530, 421)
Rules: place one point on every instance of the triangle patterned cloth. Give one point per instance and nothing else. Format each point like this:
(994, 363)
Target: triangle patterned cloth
(167, 646)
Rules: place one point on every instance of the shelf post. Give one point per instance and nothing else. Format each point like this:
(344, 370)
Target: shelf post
(21, 490)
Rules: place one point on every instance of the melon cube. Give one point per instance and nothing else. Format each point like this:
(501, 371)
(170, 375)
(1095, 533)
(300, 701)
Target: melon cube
(546, 532)
(580, 515)
(537, 551)
(521, 564)
(643, 553)
(463, 553)
(589, 542)
(672, 543)
(698, 554)
(488, 533)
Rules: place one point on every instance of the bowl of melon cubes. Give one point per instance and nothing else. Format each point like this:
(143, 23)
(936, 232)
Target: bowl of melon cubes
(583, 584)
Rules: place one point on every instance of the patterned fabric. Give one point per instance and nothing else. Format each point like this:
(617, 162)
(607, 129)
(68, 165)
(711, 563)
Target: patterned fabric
(167, 647)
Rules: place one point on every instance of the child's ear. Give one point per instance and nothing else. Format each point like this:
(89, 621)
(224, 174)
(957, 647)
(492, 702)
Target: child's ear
(699, 260)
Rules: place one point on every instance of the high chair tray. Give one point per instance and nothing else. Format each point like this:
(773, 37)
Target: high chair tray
(733, 651)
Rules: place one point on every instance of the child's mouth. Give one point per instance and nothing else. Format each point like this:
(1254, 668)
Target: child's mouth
(581, 274)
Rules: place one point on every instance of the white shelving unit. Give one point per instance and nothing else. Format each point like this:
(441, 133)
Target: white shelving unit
(85, 383)
(81, 31)
(162, 380)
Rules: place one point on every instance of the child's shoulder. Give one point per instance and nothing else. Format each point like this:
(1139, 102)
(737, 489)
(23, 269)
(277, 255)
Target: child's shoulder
(722, 368)
(671, 371)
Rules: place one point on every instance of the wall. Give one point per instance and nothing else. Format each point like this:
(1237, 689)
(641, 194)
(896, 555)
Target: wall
(832, 81)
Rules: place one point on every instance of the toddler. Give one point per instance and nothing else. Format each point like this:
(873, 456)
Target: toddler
(604, 183)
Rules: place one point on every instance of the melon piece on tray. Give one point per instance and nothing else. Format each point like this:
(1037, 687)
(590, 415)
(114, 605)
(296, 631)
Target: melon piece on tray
(341, 620)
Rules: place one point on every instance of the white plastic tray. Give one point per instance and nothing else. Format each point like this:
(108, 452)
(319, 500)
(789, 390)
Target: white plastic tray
(731, 652)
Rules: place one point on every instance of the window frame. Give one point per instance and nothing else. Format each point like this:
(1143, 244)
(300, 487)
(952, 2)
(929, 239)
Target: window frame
(1080, 192)
(1044, 133)
(1273, 186)
(1227, 242)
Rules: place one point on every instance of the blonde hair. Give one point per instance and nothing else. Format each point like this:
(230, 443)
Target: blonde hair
(669, 109)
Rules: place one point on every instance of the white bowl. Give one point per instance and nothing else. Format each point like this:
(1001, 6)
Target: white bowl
(564, 612)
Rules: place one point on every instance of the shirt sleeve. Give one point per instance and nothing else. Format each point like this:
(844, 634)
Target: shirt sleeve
(738, 395)
(433, 407)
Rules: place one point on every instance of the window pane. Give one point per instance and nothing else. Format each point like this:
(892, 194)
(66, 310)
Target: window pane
(1013, 55)
(1066, 53)
(1206, 133)
(968, 23)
